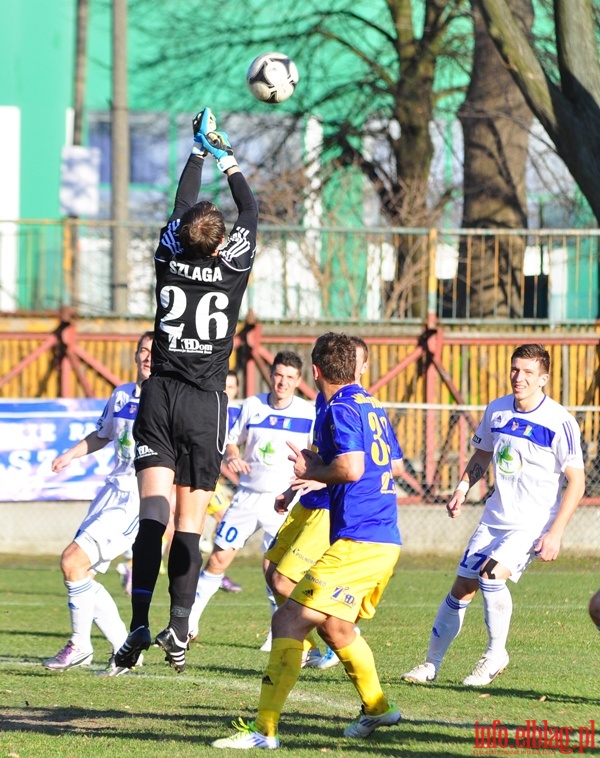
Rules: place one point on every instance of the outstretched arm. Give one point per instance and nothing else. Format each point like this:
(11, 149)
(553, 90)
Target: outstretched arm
(191, 176)
(189, 186)
(87, 445)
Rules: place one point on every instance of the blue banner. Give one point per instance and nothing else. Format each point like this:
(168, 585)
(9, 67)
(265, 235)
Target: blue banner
(33, 433)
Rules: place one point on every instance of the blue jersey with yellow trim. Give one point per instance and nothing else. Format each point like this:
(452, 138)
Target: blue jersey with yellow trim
(317, 498)
(366, 510)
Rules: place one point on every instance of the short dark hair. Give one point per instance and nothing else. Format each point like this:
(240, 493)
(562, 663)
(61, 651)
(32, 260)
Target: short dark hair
(533, 352)
(201, 230)
(145, 335)
(287, 358)
(335, 356)
(359, 342)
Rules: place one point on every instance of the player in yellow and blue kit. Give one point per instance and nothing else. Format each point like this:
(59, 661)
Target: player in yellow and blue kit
(358, 462)
(304, 535)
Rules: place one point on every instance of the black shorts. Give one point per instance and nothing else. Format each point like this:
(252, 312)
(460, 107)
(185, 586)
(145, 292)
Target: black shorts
(183, 428)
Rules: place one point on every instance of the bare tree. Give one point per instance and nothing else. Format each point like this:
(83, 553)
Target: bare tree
(368, 73)
(566, 104)
(496, 122)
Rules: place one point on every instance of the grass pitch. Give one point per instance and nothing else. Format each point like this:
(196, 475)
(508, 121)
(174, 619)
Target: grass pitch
(552, 677)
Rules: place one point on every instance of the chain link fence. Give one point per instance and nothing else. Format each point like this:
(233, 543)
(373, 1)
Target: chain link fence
(436, 440)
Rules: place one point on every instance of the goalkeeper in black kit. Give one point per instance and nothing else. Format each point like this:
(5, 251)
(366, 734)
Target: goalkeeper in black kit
(180, 429)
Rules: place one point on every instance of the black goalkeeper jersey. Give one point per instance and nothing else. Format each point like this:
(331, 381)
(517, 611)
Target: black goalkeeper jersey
(198, 303)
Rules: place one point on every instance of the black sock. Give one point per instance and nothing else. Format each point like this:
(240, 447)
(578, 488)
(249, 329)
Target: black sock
(185, 562)
(147, 554)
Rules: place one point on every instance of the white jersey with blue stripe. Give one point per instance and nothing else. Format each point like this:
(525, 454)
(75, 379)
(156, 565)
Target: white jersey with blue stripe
(264, 431)
(530, 453)
(116, 424)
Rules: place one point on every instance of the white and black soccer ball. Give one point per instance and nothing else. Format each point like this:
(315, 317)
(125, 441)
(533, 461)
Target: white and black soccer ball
(272, 77)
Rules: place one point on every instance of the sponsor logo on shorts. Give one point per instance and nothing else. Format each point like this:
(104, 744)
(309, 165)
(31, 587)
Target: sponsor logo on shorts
(342, 595)
(143, 451)
(476, 439)
(296, 553)
(314, 580)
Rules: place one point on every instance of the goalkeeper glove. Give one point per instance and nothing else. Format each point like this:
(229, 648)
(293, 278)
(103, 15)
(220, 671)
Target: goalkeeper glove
(203, 123)
(217, 143)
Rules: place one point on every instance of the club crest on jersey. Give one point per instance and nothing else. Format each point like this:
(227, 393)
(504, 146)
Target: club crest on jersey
(515, 426)
(508, 461)
(273, 420)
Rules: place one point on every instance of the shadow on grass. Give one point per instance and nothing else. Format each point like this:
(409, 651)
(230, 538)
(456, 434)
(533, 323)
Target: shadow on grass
(201, 726)
(506, 692)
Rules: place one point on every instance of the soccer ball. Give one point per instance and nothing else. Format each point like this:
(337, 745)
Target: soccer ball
(272, 77)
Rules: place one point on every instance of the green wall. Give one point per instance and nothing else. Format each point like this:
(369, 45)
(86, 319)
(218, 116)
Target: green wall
(36, 60)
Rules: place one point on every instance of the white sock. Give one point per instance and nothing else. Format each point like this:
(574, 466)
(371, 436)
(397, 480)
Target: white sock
(497, 611)
(446, 627)
(107, 618)
(81, 597)
(208, 585)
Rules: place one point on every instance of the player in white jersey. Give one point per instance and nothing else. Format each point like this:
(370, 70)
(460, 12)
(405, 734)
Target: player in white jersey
(265, 424)
(534, 444)
(108, 529)
(225, 488)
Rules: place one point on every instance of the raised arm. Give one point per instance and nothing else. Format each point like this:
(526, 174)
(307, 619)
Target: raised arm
(218, 145)
(189, 186)
(191, 176)
(244, 200)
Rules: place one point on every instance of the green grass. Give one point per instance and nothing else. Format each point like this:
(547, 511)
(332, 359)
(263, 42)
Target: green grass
(553, 673)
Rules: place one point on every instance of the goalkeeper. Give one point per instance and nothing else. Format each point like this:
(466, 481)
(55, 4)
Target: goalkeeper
(201, 277)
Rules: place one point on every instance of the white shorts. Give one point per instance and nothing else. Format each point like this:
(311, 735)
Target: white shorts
(249, 511)
(110, 526)
(513, 548)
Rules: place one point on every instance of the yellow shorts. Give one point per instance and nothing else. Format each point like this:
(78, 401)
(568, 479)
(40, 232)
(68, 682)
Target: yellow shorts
(348, 580)
(221, 499)
(301, 540)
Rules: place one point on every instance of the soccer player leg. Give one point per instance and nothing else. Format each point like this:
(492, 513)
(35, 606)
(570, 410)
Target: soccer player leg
(290, 625)
(446, 628)
(307, 539)
(155, 485)
(183, 568)
(236, 527)
(112, 533)
(451, 612)
(78, 651)
(271, 522)
(510, 552)
(367, 581)
(346, 583)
